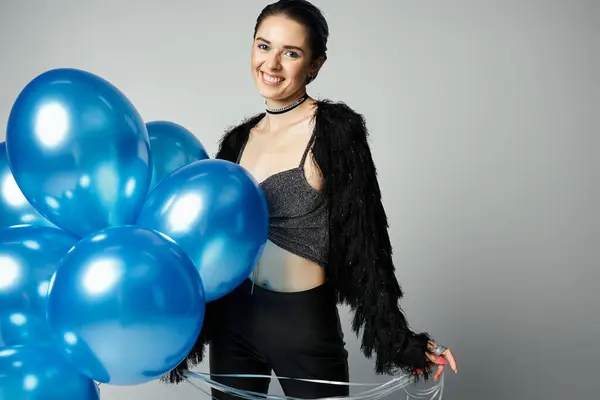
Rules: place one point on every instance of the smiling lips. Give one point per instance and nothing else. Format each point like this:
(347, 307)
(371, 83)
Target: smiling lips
(270, 79)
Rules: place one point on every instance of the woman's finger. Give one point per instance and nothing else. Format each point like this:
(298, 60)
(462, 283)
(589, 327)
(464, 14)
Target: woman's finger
(437, 359)
(451, 360)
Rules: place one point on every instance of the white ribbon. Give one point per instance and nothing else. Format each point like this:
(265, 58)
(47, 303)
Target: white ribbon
(378, 390)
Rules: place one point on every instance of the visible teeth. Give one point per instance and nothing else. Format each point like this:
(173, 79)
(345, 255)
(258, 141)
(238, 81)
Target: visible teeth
(271, 79)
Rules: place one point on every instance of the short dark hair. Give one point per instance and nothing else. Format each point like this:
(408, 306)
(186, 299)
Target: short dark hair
(306, 14)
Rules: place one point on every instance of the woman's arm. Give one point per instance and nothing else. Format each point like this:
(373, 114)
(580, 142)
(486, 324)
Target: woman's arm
(360, 262)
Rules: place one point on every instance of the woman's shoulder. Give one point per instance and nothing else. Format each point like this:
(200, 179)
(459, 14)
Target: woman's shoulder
(235, 136)
(244, 125)
(337, 110)
(340, 134)
(340, 122)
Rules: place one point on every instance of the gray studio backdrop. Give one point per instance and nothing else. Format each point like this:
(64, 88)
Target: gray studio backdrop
(484, 119)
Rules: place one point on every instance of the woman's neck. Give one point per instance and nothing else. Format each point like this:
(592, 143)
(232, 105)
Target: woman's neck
(278, 121)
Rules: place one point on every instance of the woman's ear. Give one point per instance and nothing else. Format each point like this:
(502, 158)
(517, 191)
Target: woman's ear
(315, 67)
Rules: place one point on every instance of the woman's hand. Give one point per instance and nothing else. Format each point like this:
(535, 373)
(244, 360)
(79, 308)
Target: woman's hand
(445, 358)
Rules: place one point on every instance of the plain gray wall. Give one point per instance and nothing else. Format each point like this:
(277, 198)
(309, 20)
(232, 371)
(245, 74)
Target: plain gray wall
(485, 120)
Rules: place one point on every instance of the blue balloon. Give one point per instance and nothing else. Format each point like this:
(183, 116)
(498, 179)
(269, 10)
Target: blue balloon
(40, 373)
(126, 305)
(19, 327)
(29, 257)
(172, 147)
(218, 213)
(14, 207)
(79, 151)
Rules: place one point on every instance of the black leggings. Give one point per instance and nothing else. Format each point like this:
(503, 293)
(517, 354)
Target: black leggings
(296, 335)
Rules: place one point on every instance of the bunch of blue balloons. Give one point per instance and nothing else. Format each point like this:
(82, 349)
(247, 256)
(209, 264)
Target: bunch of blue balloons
(114, 234)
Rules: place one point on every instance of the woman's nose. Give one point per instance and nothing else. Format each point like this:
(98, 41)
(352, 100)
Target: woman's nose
(274, 61)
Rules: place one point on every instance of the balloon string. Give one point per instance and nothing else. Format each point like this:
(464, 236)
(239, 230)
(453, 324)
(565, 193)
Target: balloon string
(378, 391)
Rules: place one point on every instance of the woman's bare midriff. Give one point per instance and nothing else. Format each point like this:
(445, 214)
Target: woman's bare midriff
(282, 271)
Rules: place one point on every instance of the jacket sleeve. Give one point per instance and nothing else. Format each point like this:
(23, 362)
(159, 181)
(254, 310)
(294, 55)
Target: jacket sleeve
(360, 263)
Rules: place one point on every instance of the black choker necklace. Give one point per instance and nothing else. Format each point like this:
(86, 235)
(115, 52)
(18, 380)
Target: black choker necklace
(287, 108)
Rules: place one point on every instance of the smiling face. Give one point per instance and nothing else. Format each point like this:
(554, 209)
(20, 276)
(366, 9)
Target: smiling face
(281, 60)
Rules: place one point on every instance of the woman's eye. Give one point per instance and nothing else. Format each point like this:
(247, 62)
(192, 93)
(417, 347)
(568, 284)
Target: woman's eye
(262, 46)
(292, 54)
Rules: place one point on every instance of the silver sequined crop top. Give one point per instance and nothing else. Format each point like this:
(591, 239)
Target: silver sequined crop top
(298, 213)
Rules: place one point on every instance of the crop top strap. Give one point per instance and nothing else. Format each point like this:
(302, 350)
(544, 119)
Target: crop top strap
(308, 147)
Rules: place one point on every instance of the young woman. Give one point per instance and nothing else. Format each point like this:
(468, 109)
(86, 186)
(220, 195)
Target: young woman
(328, 241)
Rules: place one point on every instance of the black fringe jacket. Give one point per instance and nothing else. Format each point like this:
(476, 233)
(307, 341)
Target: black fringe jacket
(360, 254)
